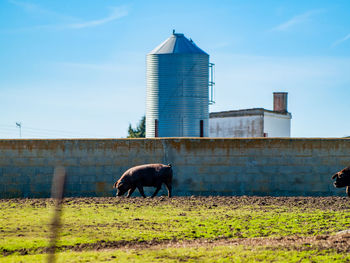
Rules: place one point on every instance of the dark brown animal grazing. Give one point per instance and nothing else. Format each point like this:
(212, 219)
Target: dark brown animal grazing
(342, 179)
(145, 175)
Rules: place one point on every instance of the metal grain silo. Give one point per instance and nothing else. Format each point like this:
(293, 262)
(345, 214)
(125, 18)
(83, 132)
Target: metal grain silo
(177, 89)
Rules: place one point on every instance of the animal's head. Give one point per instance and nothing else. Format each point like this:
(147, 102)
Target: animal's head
(122, 187)
(342, 178)
(168, 169)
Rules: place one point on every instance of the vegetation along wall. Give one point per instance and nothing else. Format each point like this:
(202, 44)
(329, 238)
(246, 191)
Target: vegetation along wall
(205, 166)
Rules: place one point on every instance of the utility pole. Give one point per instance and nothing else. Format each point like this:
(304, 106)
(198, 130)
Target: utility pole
(19, 125)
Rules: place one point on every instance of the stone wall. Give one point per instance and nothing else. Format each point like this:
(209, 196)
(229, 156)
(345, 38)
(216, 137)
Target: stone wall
(202, 166)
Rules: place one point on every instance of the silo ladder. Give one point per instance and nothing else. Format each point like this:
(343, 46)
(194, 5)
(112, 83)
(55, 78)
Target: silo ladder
(211, 83)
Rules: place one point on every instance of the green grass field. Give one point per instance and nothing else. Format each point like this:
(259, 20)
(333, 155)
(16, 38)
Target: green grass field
(213, 229)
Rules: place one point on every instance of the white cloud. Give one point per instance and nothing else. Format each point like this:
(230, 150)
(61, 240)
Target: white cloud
(118, 12)
(65, 22)
(339, 41)
(299, 19)
(36, 9)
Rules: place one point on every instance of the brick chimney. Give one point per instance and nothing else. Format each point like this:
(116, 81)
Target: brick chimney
(280, 102)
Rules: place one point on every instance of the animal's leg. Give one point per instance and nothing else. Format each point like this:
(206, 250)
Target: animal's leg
(131, 190)
(169, 187)
(141, 191)
(157, 190)
(348, 190)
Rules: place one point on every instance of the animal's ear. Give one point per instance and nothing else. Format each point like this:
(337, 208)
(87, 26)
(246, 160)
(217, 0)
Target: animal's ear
(335, 176)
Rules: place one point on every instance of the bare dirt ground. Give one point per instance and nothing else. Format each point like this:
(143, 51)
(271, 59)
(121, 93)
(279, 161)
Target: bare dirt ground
(330, 203)
(339, 242)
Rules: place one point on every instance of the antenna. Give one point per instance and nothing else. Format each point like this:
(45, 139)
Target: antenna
(19, 125)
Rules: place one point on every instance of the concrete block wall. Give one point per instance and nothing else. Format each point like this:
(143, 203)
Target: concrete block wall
(202, 166)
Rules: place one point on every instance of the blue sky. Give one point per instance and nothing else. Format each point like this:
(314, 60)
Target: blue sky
(77, 68)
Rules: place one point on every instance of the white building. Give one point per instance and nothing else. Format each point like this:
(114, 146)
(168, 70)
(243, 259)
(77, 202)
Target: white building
(257, 122)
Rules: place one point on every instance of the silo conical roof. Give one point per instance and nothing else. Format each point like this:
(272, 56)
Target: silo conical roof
(177, 44)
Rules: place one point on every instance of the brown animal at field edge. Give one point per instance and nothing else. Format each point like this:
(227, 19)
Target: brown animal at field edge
(342, 179)
(153, 175)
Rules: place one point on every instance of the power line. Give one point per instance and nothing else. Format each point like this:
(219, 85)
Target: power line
(39, 132)
(66, 132)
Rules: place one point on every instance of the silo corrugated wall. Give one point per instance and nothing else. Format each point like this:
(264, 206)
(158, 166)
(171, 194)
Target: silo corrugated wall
(177, 95)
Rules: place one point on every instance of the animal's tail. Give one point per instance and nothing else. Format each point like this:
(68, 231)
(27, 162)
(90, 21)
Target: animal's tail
(115, 185)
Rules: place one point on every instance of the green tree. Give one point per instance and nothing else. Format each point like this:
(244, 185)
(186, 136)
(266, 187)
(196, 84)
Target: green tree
(139, 131)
